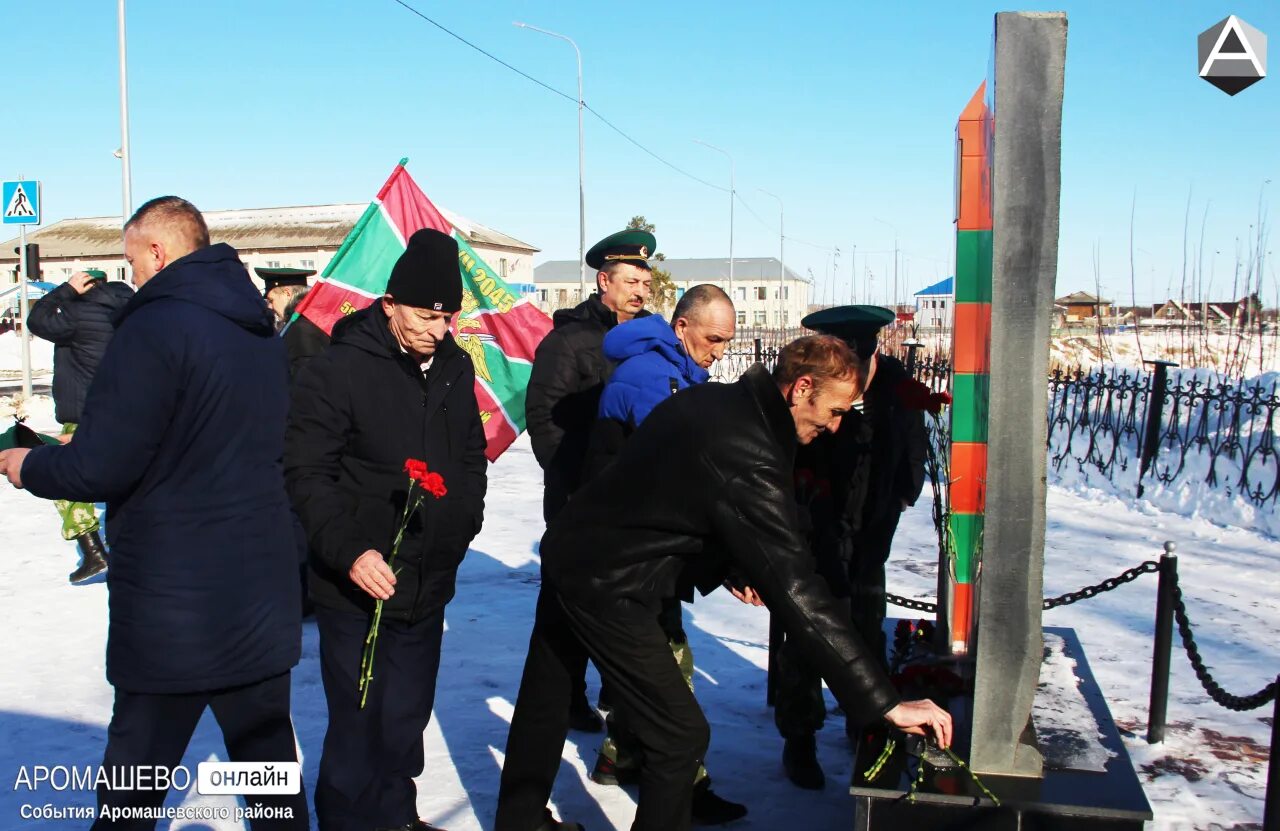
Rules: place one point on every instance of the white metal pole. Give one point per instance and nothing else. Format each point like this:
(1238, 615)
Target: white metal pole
(125, 172)
(24, 309)
(732, 192)
(782, 253)
(582, 192)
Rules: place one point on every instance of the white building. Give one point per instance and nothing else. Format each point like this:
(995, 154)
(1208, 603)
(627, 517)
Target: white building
(935, 305)
(295, 237)
(760, 297)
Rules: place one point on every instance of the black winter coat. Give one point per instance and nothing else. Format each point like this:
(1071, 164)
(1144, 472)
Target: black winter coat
(303, 340)
(704, 487)
(563, 397)
(860, 474)
(181, 436)
(360, 409)
(79, 325)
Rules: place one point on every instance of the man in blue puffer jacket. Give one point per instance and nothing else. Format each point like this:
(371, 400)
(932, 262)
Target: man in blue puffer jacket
(655, 361)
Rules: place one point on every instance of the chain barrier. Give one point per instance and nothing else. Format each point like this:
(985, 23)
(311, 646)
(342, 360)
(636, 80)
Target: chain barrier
(908, 603)
(1127, 576)
(1239, 703)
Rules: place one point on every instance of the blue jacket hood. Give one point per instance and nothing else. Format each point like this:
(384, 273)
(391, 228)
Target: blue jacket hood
(651, 334)
(651, 366)
(214, 278)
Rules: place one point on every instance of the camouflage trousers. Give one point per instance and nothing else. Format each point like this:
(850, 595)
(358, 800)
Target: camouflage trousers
(77, 517)
(619, 746)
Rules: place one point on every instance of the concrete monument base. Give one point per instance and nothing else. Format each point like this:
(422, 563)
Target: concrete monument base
(1088, 779)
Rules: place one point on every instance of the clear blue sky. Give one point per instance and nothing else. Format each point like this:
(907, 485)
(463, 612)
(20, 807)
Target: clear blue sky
(846, 110)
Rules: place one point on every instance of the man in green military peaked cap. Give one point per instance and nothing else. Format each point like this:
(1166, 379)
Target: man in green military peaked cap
(569, 374)
(854, 484)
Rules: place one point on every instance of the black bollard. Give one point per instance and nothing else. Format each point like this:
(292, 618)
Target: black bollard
(1271, 811)
(1155, 417)
(1159, 706)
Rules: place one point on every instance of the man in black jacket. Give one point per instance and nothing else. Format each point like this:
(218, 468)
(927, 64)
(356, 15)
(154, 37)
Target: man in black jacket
(702, 488)
(860, 479)
(568, 377)
(76, 317)
(392, 386)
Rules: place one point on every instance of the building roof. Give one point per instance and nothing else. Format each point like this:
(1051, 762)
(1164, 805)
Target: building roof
(305, 226)
(1080, 298)
(683, 270)
(942, 287)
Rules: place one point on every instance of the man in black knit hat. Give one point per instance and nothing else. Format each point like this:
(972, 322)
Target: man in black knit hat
(392, 386)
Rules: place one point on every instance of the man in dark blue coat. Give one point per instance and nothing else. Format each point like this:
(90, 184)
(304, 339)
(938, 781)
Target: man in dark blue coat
(182, 436)
(392, 386)
(76, 317)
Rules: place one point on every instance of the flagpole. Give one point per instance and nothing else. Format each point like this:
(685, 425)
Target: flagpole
(125, 171)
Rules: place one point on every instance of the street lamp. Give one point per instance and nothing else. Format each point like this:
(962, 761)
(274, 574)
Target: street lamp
(782, 255)
(894, 300)
(732, 191)
(582, 198)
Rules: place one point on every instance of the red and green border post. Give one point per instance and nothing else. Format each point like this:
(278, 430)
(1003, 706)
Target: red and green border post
(971, 365)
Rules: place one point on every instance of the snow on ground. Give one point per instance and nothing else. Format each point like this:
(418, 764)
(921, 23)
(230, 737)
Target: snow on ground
(11, 355)
(1210, 773)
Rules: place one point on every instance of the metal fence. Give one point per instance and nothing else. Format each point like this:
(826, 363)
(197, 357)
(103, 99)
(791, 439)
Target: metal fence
(1128, 426)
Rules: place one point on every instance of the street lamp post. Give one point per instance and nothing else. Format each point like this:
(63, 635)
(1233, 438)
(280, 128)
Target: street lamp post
(894, 300)
(582, 198)
(782, 255)
(732, 192)
(125, 174)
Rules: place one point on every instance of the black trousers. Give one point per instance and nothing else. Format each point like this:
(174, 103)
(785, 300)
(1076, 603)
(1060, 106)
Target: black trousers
(372, 755)
(153, 729)
(650, 697)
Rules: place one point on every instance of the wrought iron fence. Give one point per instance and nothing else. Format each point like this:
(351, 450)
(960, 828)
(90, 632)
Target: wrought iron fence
(1207, 428)
(1210, 429)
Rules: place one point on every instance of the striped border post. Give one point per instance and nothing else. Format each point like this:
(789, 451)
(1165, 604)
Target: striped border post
(971, 362)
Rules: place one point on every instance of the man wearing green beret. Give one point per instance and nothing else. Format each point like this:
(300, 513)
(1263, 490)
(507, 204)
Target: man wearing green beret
(568, 377)
(854, 485)
(77, 318)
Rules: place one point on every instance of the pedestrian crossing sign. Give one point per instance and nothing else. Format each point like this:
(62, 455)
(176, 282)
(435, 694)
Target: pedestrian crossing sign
(21, 202)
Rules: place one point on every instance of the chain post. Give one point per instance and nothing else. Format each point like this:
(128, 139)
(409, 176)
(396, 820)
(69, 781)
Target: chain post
(1271, 811)
(1157, 709)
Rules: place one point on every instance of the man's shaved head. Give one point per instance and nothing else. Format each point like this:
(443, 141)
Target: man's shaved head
(165, 229)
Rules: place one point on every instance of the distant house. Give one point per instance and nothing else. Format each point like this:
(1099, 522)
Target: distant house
(1222, 313)
(1082, 305)
(935, 305)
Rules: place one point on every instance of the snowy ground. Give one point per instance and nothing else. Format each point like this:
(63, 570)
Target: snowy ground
(1209, 774)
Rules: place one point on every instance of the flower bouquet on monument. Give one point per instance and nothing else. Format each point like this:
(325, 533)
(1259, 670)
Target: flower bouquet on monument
(421, 483)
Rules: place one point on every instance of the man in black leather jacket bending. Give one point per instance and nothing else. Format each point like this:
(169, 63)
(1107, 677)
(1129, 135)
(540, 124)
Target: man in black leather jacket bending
(702, 489)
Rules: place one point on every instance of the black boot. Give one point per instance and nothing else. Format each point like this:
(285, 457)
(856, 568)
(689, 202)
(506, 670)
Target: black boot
(800, 760)
(607, 772)
(582, 718)
(710, 809)
(93, 557)
(550, 823)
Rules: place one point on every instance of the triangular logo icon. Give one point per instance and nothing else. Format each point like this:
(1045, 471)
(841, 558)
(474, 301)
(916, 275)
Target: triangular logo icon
(19, 204)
